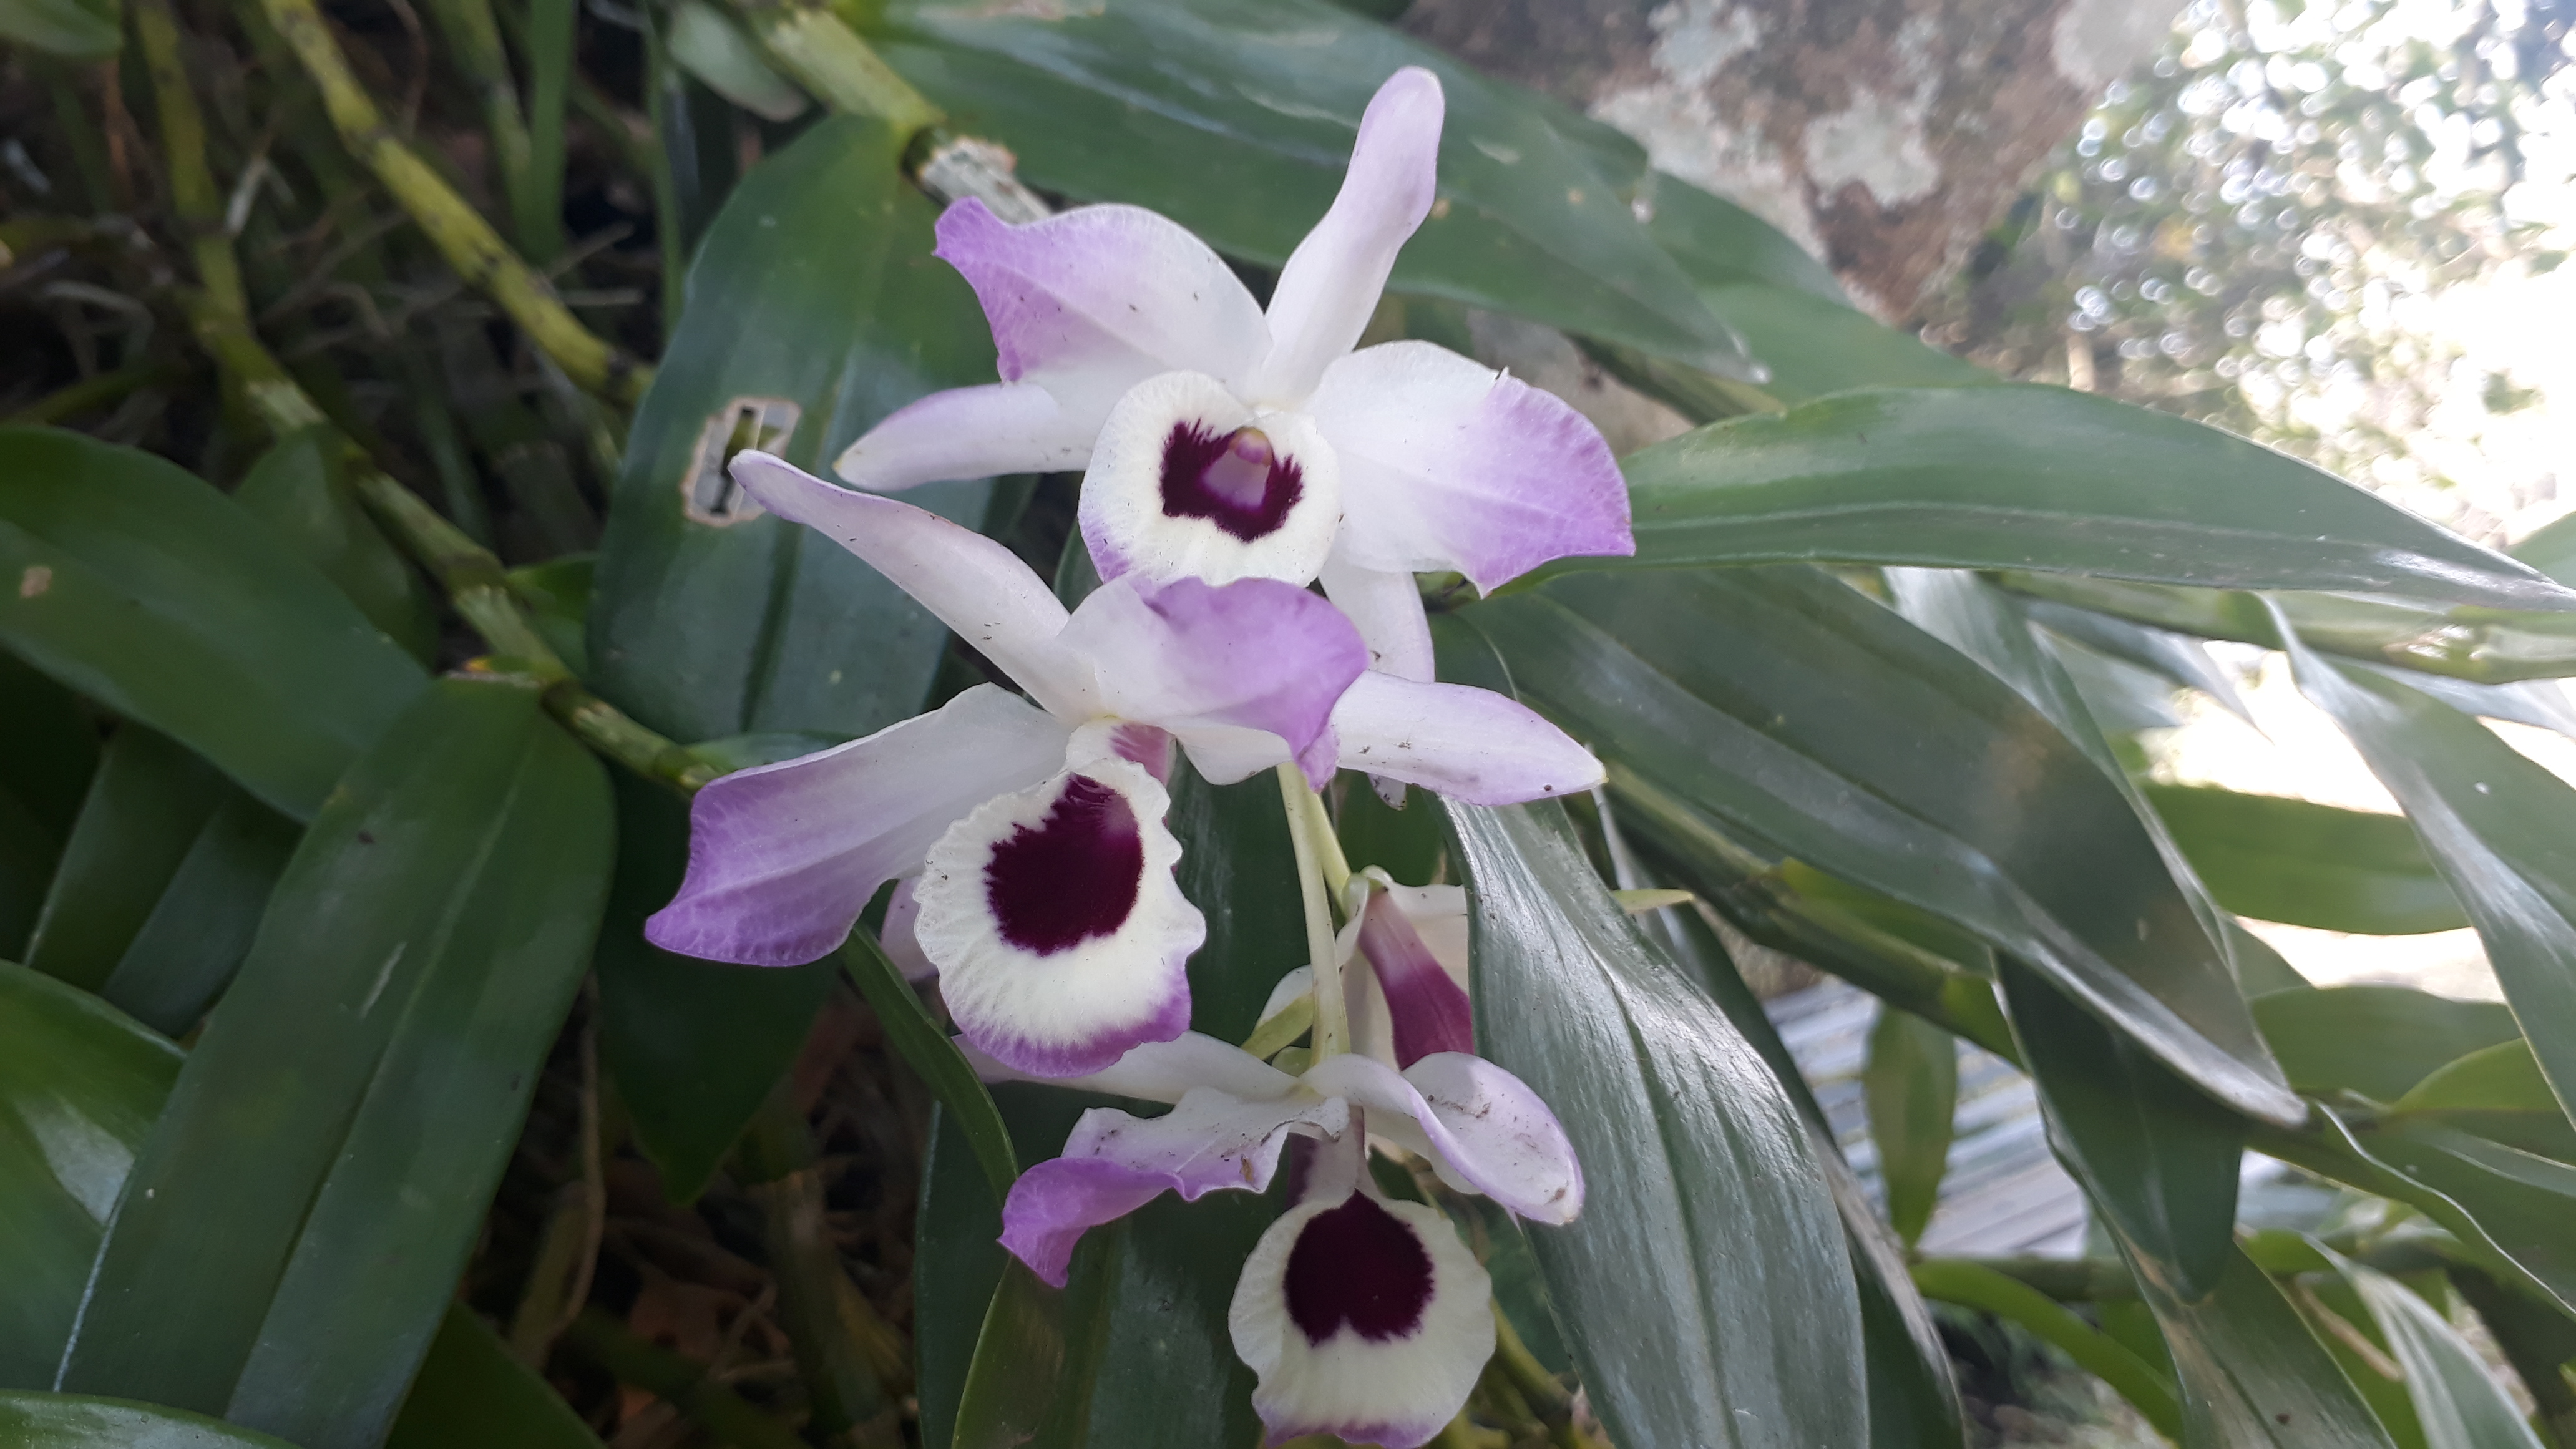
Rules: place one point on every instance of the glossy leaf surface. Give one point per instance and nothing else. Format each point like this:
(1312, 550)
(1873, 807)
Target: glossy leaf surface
(2458, 1402)
(1681, 1336)
(814, 295)
(202, 926)
(1786, 705)
(80, 1085)
(2026, 477)
(360, 1084)
(145, 589)
(2378, 1041)
(2252, 1375)
(145, 808)
(2278, 859)
(1112, 103)
(80, 1421)
(2501, 829)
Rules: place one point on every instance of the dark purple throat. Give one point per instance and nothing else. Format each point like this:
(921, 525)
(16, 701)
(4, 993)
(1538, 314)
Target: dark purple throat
(1072, 876)
(1233, 480)
(1357, 1264)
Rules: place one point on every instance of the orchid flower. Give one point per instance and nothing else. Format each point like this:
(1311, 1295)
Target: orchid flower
(1412, 1002)
(1045, 894)
(1226, 442)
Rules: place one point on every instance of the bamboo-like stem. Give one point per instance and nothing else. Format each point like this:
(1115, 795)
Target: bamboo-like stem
(461, 235)
(1332, 1013)
(1328, 853)
(195, 201)
(824, 55)
(1547, 1399)
(474, 40)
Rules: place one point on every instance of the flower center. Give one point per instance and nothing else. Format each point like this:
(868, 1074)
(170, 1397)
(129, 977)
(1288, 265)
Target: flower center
(1072, 876)
(1357, 1264)
(1236, 480)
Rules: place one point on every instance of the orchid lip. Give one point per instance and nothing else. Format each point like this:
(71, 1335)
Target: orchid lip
(1356, 1266)
(1236, 481)
(1071, 877)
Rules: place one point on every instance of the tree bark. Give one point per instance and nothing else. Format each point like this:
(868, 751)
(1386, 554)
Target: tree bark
(1885, 135)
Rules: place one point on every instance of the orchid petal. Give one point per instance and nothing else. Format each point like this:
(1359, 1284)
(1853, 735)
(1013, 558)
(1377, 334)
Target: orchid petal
(1115, 1163)
(1483, 1128)
(1438, 914)
(1090, 302)
(1426, 1008)
(783, 858)
(1447, 464)
(1206, 662)
(975, 586)
(1160, 1071)
(1362, 1318)
(1059, 932)
(1471, 745)
(968, 432)
(1387, 609)
(902, 947)
(1332, 281)
(1186, 481)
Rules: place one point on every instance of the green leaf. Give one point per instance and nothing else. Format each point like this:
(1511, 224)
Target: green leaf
(924, 1044)
(814, 296)
(2028, 477)
(69, 28)
(290, 1234)
(1781, 704)
(695, 1046)
(557, 593)
(2552, 550)
(2158, 1160)
(2177, 657)
(1112, 102)
(2501, 829)
(1974, 1285)
(1690, 1149)
(2378, 1041)
(80, 1421)
(146, 806)
(80, 1085)
(2459, 1403)
(1911, 1085)
(1238, 865)
(1720, 244)
(2278, 859)
(296, 490)
(2501, 1078)
(1913, 1401)
(2469, 642)
(2252, 1375)
(472, 1392)
(200, 930)
(139, 586)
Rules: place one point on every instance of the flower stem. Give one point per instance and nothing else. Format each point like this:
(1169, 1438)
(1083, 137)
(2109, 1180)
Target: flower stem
(1332, 1016)
(1328, 851)
(829, 60)
(460, 233)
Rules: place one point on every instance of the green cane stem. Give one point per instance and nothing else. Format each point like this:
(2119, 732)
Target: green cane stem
(1332, 1015)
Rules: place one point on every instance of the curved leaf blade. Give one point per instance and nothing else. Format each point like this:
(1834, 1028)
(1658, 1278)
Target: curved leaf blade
(2278, 859)
(290, 1235)
(136, 584)
(1681, 1336)
(2458, 1402)
(1110, 103)
(1793, 708)
(2379, 1041)
(2026, 477)
(82, 1421)
(80, 1085)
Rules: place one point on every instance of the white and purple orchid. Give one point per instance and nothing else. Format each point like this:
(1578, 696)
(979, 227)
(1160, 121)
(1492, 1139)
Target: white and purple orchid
(1045, 894)
(1225, 442)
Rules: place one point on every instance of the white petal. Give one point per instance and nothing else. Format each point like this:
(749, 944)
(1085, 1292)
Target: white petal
(1387, 609)
(969, 432)
(1058, 930)
(902, 947)
(1092, 301)
(1439, 916)
(1161, 1071)
(783, 858)
(1362, 1318)
(1332, 281)
(1447, 464)
(1149, 505)
(975, 586)
(1482, 1127)
(1471, 745)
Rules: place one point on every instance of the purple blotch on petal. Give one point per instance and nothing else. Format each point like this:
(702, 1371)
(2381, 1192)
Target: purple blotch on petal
(1072, 876)
(1427, 1010)
(1233, 480)
(1357, 1264)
